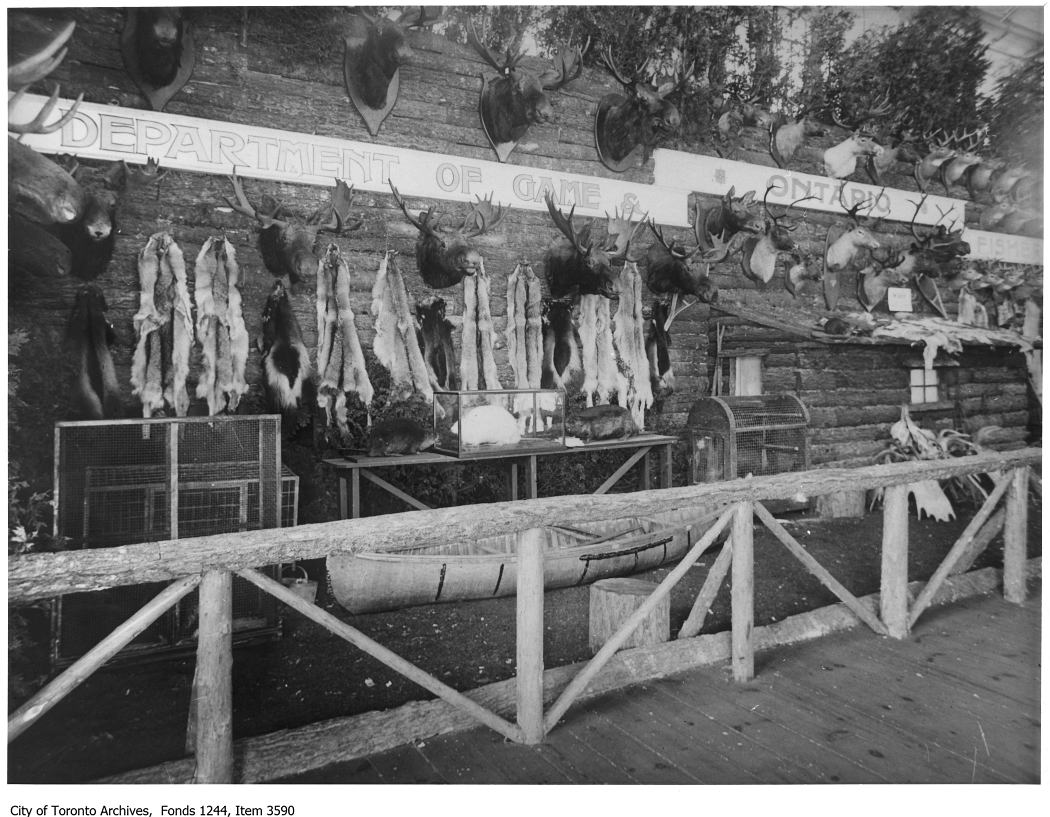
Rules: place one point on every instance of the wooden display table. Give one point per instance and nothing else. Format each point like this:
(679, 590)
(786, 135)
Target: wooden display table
(521, 469)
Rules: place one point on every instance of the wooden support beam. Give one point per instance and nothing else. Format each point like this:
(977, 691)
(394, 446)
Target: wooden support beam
(33, 709)
(214, 679)
(818, 570)
(893, 597)
(743, 592)
(392, 489)
(579, 683)
(1015, 537)
(961, 546)
(378, 651)
(706, 597)
(992, 528)
(529, 601)
(623, 469)
(664, 465)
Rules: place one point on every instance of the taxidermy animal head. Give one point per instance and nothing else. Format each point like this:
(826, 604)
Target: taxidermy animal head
(899, 145)
(788, 136)
(953, 171)
(575, 264)
(159, 51)
(287, 247)
(758, 254)
(516, 99)
(672, 267)
(37, 188)
(286, 360)
(445, 260)
(638, 120)
(844, 250)
(840, 161)
(731, 216)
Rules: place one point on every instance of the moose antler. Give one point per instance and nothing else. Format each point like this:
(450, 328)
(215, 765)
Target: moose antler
(423, 222)
(568, 65)
(36, 49)
(483, 216)
(564, 224)
(610, 64)
(506, 66)
(245, 207)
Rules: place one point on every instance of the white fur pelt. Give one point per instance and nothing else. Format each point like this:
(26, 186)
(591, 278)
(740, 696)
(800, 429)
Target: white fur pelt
(524, 331)
(629, 338)
(395, 343)
(600, 380)
(477, 335)
(164, 324)
(220, 326)
(340, 359)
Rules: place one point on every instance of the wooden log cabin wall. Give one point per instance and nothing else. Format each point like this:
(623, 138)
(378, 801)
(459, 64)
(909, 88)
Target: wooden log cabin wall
(246, 75)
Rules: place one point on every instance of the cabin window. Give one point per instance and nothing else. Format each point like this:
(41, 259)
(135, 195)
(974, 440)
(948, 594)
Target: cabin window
(925, 385)
(740, 376)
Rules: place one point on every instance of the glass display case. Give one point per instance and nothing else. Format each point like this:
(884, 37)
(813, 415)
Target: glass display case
(499, 422)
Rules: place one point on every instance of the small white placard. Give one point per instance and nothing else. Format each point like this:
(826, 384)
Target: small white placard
(898, 299)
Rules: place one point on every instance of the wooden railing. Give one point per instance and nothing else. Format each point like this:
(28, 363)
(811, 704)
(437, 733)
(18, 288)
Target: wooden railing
(210, 561)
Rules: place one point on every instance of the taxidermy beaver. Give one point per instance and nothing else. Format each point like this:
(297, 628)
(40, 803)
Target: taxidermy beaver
(601, 423)
(399, 435)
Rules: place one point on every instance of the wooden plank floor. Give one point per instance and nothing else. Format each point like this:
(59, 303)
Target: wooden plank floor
(957, 702)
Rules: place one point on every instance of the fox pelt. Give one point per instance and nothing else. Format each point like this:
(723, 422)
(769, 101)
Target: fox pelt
(524, 330)
(629, 338)
(97, 391)
(340, 360)
(395, 344)
(477, 334)
(164, 324)
(220, 326)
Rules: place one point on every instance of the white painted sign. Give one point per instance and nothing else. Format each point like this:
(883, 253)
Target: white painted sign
(898, 299)
(110, 132)
(1012, 249)
(713, 175)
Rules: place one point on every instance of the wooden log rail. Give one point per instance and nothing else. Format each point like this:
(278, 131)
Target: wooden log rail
(210, 562)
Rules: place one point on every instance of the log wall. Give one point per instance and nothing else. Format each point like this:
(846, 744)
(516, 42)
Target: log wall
(245, 73)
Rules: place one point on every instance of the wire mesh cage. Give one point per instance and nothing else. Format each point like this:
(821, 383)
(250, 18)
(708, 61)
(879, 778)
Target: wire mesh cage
(127, 482)
(732, 437)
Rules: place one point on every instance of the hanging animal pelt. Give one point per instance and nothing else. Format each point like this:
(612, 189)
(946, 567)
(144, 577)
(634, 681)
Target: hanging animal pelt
(220, 326)
(164, 324)
(600, 380)
(561, 355)
(285, 358)
(340, 360)
(477, 334)
(395, 343)
(524, 331)
(636, 392)
(97, 391)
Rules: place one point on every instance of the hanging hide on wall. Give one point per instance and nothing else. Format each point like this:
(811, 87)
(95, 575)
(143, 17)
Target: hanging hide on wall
(340, 359)
(434, 332)
(159, 52)
(221, 333)
(285, 358)
(395, 344)
(561, 354)
(97, 393)
(600, 380)
(524, 330)
(164, 324)
(477, 339)
(636, 391)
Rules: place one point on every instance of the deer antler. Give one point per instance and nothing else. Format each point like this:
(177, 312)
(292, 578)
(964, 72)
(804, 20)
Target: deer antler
(854, 211)
(774, 218)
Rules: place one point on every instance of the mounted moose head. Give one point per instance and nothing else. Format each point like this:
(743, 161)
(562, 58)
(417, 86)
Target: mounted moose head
(673, 268)
(840, 161)
(731, 216)
(758, 254)
(287, 247)
(789, 135)
(443, 263)
(843, 252)
(159, 52)
(517, 99)
(625, 126)
(574, 264)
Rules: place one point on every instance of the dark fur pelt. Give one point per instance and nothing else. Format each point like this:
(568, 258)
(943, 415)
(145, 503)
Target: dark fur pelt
(158, 41)
(97, 393)
(435, 340)
(286, 360)
(561, 354)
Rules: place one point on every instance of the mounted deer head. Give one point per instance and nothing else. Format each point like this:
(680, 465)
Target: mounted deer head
(978, 177)
(443, 263)
(287, 247)
(516, 99)
(575, 264)
(758, 254)
(841, 253)
(939, 151)
(731, 216)
(840, 161)
(786, 137)
(875, 279)
(159, 52)
(37, 188)
(965, 145)
(625, 126)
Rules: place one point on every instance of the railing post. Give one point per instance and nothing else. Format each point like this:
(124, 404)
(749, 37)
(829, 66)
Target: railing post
(214, 689)
(893, 596)
(1015, 537)
(530, 634)
(743, 593)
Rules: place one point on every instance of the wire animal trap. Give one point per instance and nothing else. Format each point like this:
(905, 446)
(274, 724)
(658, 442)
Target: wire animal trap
(732, 437)
(132, 481)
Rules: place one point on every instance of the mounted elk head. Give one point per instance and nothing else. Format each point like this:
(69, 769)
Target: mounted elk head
(626, 126)
(38, 189)
(758, 254)
(445, 260)
(287, 247)
(159, 51)
(516, 99)
(786, 137)
(575, 264)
